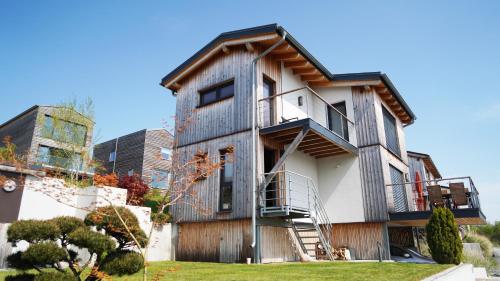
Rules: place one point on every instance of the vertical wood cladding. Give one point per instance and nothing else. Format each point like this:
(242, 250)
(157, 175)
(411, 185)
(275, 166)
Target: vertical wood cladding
(21, 131)
(221, 241)
(373, 184)
(402, 236)
(221, 118)
(361, 239)
(275, 245)
(365, 117)
(207, 190)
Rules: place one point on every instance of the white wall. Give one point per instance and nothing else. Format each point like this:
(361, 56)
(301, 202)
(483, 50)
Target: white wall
(340, 188)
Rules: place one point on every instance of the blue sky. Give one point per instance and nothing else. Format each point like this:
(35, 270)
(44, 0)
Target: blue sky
(443, 56)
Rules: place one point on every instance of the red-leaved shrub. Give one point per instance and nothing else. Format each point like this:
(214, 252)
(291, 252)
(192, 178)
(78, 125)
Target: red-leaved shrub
(136, 189)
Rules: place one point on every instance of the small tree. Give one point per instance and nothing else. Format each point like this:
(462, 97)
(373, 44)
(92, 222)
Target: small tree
(443, 237)
(136, 189)
(45, 253)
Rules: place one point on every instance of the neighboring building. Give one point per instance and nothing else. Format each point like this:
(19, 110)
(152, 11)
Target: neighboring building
(146, 153)
(328, 149)
(34, 134)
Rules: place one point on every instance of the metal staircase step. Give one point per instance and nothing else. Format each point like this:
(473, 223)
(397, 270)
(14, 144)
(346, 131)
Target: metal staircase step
(308, 237)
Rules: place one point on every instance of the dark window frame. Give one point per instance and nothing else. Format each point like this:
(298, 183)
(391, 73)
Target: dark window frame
(345, 123)
(49, 132)
(217, 88)
(386, 115)
(223, 185)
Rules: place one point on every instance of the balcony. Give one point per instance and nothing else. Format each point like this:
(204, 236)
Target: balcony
(327, 131)
(411, 204)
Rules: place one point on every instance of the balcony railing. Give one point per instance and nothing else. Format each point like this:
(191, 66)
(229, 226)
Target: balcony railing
(452, 193)
(302, 103)
(70, 164)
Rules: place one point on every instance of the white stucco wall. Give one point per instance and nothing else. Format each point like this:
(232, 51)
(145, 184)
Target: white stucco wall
(340, 188)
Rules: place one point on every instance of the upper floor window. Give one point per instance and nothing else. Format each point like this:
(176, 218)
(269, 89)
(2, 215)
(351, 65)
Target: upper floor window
(112, 156)
(391, 132)
(336, 120)
(226, 180)
(159, 179)
(64, 131)
(165, 153)
(130, 172)
(217, 93)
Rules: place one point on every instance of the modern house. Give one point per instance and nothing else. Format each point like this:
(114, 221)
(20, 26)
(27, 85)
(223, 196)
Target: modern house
(146, 153)
(315, 155)
(52, 137)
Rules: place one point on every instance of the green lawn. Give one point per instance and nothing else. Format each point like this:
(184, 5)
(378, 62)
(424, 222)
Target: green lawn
(286, 271)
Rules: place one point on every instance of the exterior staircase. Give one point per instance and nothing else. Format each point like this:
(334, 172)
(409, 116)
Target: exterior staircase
(295, 197)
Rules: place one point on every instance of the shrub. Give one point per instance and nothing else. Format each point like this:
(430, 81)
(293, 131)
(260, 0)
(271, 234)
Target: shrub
(67, 224)
(122, 262)
(20, 277)
(95, 242)
(136, 189)
(43, 254)
(484, 242)
(54, 276)
(105, 218)
(106, 180)
(443, 238)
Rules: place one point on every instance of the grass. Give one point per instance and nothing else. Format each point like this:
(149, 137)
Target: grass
(284, 271)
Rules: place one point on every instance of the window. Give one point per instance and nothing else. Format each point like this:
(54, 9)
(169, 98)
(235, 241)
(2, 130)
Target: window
(130, 172)
(226, 180)
(200, 166)
(64, 131)
(336, 122)
(217, 93)
(398, 190)
(160, 179)
(165, 153)
(57, 157)
(391, 134)
(268, 104)
(112, 156)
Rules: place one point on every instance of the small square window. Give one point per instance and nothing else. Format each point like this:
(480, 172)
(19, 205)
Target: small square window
(165, 153)
(112, 156)
(130, 172)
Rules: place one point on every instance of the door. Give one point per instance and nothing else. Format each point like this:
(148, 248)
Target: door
(268, 104)
(271, 188)
(398, 190)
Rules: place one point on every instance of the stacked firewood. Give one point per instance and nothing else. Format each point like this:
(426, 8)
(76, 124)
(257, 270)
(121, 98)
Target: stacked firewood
(339, 253)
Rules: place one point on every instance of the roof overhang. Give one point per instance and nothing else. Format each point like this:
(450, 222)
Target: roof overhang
(294, 56)
(429, 164)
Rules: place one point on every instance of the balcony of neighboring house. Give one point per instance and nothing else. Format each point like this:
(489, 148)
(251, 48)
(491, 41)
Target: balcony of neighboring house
(318, 128)
(411, 203)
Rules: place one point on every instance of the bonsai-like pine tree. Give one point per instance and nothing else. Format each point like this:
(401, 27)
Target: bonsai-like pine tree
(443, 237)
(49, 246)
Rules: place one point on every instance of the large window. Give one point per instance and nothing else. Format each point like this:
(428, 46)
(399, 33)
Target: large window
(226, 180)
(57, 157)
(391, 133)
(217, 93)
(64, 131)
(398, 190)
(336, 122)
(160, 179)
(112, 156)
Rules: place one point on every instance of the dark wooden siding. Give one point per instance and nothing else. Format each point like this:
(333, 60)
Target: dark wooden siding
(372, 184)
(221, 118)
(364, 116)
(207, 190)
(10, 202)
(21, 130)
(130, 153)
(362, 239)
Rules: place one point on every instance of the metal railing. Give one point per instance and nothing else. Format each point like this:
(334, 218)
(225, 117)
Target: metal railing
(420, 202)
(303, 103)
(291, 193)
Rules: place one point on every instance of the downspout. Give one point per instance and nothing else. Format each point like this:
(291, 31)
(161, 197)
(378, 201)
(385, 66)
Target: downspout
(254, 139)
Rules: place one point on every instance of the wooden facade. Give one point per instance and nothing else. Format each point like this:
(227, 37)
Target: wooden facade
(362, 239)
